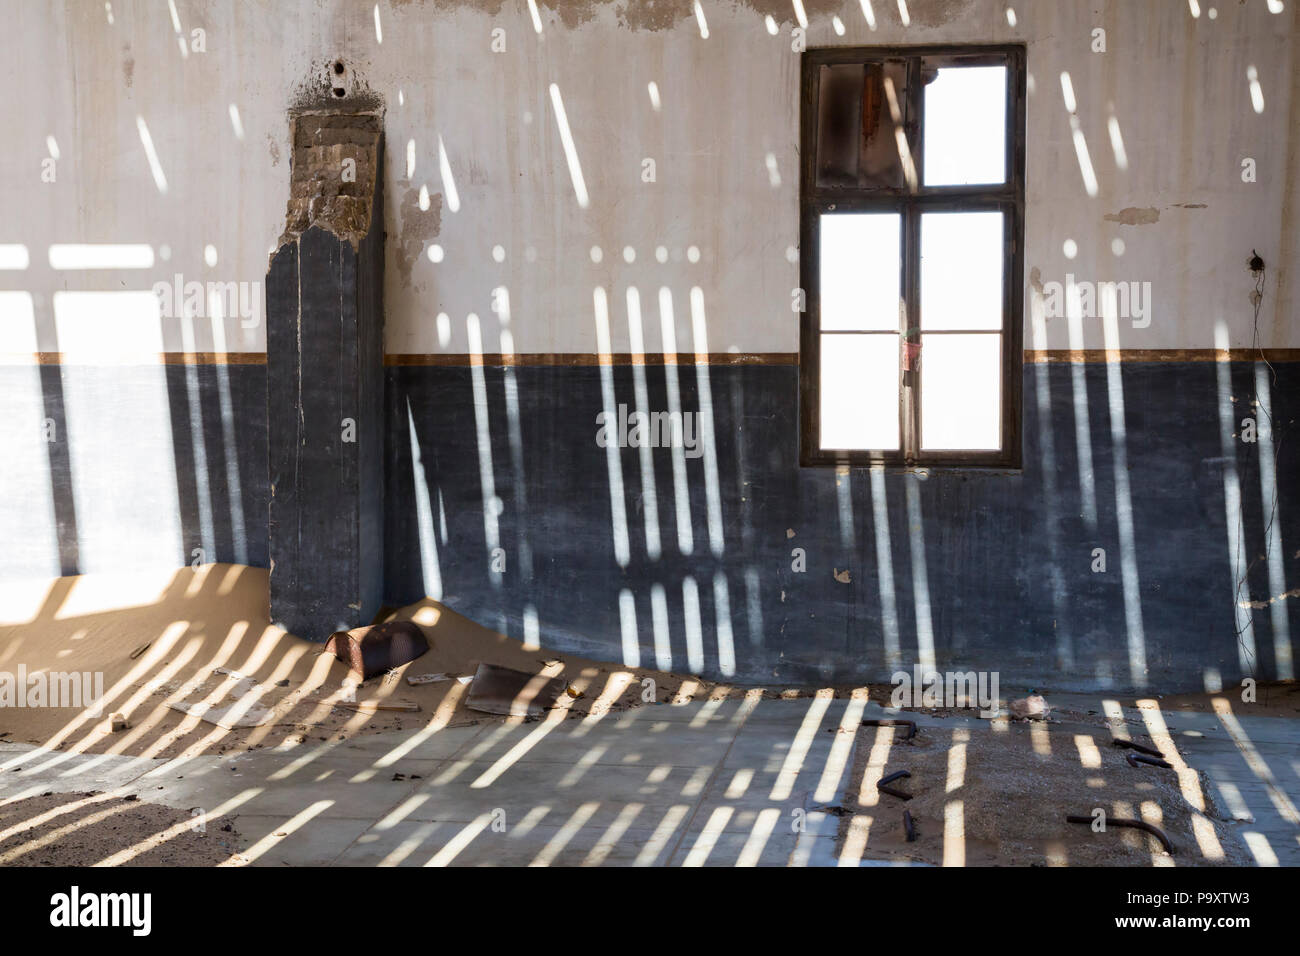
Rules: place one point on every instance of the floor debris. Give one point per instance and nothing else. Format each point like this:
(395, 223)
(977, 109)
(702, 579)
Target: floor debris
(115, 724)
(1137, 760)
(229, 716)
(1033, 707)
(1155, 831)
(909, 724)
(501, 690)
(1140, 748)
(378, 648)
(415, 680)
(371, 706)
(1008, 792)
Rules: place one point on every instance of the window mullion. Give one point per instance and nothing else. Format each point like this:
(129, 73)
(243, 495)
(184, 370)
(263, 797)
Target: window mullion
(910, 381)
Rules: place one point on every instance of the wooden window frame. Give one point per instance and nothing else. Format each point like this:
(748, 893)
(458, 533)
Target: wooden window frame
(1007, 197)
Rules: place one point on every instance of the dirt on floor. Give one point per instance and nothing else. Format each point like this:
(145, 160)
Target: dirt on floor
(174, 637)
(998, 794)
(82, 829)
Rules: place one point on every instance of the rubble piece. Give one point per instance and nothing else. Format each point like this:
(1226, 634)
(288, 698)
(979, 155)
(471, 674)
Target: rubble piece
(1033, 707)
(1137, 760)
(229, 716)
(375, 649)
(114, 724)
(894, 792)
(416, 680)
(1133, 824)
(909, 724)
(1140, 748)
(909, 826)
(500, 690)
(370, 706)
(243, 684)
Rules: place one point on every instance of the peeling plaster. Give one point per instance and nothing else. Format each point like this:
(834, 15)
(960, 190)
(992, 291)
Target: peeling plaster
(1134, 216)
(418, 227)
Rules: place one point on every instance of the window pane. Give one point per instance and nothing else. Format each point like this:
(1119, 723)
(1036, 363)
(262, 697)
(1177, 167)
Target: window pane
(965, 126)
(859, 111)
(961, 392)
(859, 392)
(860, 274)
(961, 270)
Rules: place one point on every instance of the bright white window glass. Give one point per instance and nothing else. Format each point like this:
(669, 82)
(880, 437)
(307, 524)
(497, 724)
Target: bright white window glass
(859, 271)
(961, 392)
(961, 270)
(859, 392)
(965, 126)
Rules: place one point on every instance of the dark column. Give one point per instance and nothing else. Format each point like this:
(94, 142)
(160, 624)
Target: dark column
(324, 358)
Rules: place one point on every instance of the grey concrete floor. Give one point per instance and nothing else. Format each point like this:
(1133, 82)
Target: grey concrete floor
(731, 783)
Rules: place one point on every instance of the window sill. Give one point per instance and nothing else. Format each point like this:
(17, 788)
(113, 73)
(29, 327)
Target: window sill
(1007, 466)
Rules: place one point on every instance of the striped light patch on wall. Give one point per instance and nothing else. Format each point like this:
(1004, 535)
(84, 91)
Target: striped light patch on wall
(581, 359)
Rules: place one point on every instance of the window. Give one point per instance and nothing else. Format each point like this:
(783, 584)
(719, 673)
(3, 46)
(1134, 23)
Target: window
(912, 214)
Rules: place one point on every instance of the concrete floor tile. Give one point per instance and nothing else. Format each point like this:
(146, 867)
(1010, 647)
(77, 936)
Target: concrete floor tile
(282, 840)
(465, 792)
(644, 741)
(575, 841)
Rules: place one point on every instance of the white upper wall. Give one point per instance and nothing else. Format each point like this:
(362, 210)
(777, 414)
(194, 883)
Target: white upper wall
(724, 141)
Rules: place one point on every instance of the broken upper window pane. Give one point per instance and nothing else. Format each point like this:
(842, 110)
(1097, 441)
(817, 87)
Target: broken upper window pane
(965, 133)
(860, 122)
(961, 270)
(860, 270)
